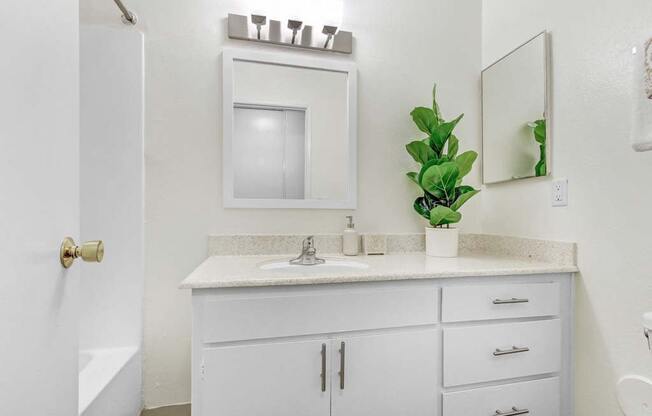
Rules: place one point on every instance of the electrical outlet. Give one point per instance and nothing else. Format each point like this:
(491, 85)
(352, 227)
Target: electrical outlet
(560, 193)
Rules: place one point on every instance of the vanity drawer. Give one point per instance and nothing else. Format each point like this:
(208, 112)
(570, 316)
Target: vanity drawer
(539, 398)
(478, 303)
(228, 319)
(496, 352)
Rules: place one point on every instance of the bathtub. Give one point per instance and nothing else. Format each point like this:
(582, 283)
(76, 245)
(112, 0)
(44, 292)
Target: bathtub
(110, 382)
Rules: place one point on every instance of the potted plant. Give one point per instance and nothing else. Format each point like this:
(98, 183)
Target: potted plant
(440, 177)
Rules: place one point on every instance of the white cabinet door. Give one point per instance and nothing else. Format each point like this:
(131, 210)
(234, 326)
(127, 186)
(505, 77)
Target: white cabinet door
(39, 206)
(277, 379)
(386, 375)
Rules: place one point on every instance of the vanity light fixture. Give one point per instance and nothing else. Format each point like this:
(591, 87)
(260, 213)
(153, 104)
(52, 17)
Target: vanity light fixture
(339, 41)
(294, 25)
(329, 31)
(259, 21)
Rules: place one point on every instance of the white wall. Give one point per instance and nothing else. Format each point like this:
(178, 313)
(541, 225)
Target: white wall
(401, 49)
(610, 202)
(111, 185)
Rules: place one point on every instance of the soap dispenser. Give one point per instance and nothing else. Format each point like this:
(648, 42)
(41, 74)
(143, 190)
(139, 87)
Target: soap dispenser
(350, 239)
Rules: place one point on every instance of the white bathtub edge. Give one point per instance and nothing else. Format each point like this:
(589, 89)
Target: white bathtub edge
(101, 370)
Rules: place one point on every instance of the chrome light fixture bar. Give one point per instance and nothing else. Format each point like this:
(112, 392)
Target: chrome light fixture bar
(334, 40)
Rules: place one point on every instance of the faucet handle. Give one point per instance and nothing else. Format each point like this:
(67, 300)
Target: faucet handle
(309, 241)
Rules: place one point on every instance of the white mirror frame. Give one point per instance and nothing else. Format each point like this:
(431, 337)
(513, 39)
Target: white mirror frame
(229, 56)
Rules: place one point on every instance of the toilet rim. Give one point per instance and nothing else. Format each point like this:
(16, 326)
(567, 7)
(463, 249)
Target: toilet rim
(629, 394)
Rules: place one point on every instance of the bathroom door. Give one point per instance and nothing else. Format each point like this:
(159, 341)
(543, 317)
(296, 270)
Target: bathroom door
(39, 206)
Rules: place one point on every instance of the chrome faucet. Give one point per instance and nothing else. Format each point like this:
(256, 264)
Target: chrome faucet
(308, 256)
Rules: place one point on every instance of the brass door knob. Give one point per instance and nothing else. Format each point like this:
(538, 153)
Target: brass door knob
(90, 251)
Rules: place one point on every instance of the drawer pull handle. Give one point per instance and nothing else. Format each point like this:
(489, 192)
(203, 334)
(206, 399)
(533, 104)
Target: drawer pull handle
(514, 350)
(323, 367)
(510, 301)
(342, 364)
(514, 412)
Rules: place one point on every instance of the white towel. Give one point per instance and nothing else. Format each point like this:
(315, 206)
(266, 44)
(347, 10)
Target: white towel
(641, 132)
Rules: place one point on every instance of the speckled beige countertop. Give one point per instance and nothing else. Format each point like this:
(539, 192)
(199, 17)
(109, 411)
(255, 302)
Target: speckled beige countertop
(244, 271)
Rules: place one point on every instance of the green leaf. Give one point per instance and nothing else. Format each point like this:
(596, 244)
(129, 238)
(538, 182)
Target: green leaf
(441, 215)
(464, 189)
(420, 152)
(463, 197)
(453, 146)
(421, 206)
(540, 131)
(440, 180)
(413, 177)
(435, 105)
(431, 162)
(465, 162)
(424, 118)
(441, 133)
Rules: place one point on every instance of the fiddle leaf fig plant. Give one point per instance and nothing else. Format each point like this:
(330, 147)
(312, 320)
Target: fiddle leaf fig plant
(442, 169)
(539, 131)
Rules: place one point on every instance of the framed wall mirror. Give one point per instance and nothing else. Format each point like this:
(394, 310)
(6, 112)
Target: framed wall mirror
(289, 131)
(516, 140)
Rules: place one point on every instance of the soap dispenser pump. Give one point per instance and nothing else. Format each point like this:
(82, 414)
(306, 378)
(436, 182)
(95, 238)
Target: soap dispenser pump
(350, 239)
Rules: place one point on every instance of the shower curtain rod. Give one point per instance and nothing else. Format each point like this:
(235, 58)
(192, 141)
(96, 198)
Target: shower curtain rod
(127, 16)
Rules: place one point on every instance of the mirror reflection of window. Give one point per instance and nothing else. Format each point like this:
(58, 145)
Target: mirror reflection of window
(269, 152)
(514, 106)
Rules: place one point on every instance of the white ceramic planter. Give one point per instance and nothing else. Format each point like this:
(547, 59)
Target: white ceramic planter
(442, 242)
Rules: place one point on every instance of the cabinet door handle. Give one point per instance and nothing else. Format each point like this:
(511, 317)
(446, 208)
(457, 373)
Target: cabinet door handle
(323, 367)
(342, 364)
(509, 301)
(514, 412)
(514, 350)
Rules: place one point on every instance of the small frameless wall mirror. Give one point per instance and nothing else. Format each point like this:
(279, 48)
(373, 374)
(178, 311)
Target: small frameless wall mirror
(515, 114)
(289, 131)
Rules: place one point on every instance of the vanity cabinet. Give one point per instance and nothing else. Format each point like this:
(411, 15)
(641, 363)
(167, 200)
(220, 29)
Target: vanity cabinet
(471, 346)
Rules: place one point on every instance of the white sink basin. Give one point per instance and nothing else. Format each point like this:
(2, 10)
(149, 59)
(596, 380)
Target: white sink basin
(331, 265)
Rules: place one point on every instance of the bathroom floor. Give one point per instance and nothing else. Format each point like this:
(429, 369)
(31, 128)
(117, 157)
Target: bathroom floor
(181, 410)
